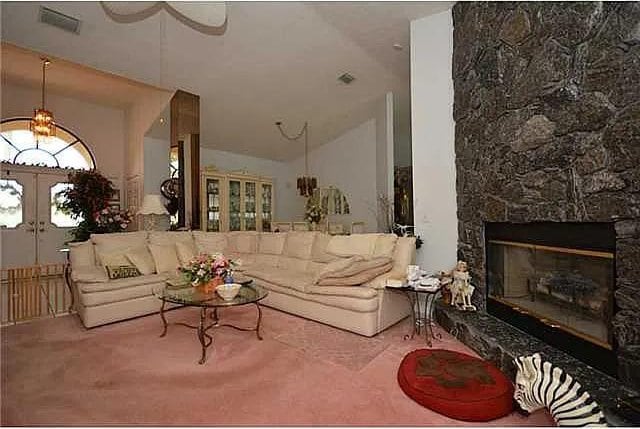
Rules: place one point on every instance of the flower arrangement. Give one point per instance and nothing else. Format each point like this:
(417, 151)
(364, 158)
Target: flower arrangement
(313, 212)
(110, 219)
(204, 268)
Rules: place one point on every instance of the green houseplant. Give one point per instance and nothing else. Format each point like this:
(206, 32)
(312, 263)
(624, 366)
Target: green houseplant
(87, 196)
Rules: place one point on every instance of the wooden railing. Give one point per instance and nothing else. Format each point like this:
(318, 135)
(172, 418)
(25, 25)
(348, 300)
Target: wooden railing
(36, 292)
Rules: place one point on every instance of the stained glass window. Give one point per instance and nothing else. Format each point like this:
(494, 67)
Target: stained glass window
(18, 145)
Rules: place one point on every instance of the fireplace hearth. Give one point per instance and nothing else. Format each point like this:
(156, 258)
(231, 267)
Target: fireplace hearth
(555, 280)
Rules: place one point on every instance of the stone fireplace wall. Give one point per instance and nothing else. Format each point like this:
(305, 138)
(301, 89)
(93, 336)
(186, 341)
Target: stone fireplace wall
(547, 111)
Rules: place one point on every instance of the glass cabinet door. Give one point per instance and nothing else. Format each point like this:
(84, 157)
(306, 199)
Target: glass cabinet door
(213, 204)
(250, 206)
(267, 202)
(234, 206)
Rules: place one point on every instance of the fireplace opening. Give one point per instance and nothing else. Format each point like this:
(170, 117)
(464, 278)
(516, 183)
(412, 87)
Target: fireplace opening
(556, 282)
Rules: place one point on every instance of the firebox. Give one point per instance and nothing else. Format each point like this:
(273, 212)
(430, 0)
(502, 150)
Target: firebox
(555, 280)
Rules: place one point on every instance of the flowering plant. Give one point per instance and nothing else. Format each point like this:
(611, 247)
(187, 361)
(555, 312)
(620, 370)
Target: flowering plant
(203, 268)
(313, 212)
(110, 219)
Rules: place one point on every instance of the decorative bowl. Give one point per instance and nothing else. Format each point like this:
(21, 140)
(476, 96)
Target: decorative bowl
(228, 291)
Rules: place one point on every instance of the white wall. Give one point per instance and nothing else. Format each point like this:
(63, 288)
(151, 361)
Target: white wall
(101, 127)
(434, 176)
(156, 164)
(349, 164)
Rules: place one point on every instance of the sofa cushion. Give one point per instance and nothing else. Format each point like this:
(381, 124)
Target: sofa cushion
(170, 237)
(89, 274)
(113, 257)
(356, 279)
(404, 254)
(186, 251)
(165, 258)
(355, 267)
(122, 295)
(119, 240)
(91, 287)
(271, 243)
(243, 242)
(380, 282)
(339, 265)
(299, 244)
(210, 242)
(356, 292)
(319, 249)
(286, 263)
(142, 259)
(298, 280)
(350, 245)
(266, 260)
(82, 254)
(385, 245)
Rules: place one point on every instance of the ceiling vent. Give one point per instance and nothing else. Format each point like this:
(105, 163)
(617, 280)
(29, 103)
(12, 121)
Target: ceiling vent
(60, 20)
(346, 78)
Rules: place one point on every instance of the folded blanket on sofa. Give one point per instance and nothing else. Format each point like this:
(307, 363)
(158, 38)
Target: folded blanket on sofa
(353, 271)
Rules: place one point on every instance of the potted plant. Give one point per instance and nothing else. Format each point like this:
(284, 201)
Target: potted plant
(207, 271)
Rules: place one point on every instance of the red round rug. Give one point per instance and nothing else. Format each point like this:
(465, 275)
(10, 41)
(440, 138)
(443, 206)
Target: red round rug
(455, 384)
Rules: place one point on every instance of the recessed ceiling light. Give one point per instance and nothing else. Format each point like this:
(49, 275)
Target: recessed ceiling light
(398, 46)
(346, 78)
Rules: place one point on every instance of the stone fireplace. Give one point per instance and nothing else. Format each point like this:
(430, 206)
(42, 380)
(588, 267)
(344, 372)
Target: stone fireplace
(547, 111)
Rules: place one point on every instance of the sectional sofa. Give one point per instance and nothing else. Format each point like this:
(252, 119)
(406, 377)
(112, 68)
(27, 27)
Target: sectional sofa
(337, 280)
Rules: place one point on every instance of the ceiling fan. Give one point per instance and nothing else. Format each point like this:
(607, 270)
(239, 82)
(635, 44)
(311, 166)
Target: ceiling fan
(205, 17)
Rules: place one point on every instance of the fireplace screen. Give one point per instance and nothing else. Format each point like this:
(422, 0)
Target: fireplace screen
(565, 288)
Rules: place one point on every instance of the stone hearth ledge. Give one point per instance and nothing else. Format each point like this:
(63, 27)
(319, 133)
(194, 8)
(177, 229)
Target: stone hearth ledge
(500, 343)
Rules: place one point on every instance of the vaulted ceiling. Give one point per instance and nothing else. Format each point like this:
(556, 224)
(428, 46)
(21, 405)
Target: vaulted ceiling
(276, 61)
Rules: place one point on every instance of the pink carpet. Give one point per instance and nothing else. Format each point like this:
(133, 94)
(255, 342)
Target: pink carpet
(54, 372)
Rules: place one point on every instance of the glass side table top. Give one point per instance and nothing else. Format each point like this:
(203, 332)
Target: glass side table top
(189, 295)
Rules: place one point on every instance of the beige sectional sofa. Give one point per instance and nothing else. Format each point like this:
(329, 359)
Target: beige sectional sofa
(310, 274)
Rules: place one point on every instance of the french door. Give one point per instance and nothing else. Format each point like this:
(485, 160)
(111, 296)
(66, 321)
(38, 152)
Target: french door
(32, 227)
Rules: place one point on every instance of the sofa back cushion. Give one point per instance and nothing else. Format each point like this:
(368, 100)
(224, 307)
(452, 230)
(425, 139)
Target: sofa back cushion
(165, 258)
(292, 264)
(319, 249)
(271, 243)
(266, 260)
(142, 259)
(82, 254)
(385, 245)
(108, 247)
(404, 254)
(243, 242)
(170, 237)
(299, 244)
(186, 251)
(352, 245)
(210, 242)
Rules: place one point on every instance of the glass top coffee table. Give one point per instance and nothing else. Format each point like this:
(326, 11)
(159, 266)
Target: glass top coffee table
(175, 292)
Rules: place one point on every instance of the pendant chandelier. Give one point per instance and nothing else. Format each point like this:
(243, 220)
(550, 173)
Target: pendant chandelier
(42, 124)
(305, 184)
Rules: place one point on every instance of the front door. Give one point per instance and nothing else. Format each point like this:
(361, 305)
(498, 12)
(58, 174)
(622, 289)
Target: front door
(32, 227)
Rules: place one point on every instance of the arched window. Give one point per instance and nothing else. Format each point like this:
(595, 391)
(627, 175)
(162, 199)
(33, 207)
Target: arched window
(18, 145)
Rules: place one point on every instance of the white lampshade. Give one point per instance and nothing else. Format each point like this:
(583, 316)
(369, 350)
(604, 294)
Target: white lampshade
(152, 204)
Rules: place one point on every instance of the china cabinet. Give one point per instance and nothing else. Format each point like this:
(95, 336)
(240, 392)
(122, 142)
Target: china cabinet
(236, 201)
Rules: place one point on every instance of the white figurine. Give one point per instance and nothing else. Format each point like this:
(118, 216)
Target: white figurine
(461, 288)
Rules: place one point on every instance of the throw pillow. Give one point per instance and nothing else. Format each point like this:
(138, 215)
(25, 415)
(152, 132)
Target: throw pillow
(122, 271)
(186, 251)
(142, 259)
(338, 265)
(165, 258)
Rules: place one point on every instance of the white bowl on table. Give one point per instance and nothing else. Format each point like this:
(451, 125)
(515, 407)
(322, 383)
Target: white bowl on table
(228, 291)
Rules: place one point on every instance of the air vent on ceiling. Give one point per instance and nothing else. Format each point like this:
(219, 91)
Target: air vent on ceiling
(346, 78)
(60, 20)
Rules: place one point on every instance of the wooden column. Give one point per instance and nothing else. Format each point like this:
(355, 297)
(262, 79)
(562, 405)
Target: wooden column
(185, 127)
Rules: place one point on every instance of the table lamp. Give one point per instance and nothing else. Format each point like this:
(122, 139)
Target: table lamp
(151, 206)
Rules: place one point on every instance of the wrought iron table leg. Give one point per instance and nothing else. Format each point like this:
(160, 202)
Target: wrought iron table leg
(164, 319)
(201, 335)
(414, 319)
(259, 321)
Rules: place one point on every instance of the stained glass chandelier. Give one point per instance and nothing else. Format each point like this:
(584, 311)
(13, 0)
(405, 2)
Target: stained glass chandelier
(42, 124)
(305, 184)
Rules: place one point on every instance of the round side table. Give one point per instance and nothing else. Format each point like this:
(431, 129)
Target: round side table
(422, 305)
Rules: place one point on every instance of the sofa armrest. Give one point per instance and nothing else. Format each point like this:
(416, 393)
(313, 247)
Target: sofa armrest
(381, 281)
(89, 274)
